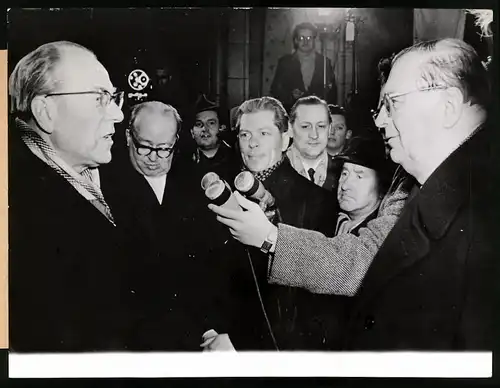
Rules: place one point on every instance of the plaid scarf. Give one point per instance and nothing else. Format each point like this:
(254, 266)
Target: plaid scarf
(83, 183)
(264, 174)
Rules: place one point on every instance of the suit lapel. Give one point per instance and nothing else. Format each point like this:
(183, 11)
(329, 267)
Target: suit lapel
(317, 79)
(297, 73)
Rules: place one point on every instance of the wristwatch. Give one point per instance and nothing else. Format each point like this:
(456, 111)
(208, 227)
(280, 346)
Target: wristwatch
(270, 240)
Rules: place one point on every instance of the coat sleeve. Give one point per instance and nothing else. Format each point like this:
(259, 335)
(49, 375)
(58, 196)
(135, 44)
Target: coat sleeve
(336, 265)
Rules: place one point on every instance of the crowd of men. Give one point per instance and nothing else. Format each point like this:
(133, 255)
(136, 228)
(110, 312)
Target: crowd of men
(361, 252)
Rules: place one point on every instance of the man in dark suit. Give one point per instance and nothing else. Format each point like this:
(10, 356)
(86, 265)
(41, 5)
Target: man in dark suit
(304, 72)
(263, 133)
(311, 123)
(163, 214)
(431, 284)
(66, 264)
(263, 127)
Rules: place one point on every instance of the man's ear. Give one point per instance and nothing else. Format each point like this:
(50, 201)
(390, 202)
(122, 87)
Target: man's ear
(127, 136)
(285, 140)
(44, 113)
(290, 130)
(348, 134)
(222, 128)
(454, 106)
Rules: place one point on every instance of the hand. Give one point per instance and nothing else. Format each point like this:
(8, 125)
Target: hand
(250, 227)
(216, 342)
(296, 93)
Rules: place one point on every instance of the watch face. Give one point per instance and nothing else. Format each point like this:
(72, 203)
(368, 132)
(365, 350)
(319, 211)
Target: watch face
(266, 246)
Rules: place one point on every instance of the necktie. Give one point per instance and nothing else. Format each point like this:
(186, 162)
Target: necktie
(87, 173)
(311, 173)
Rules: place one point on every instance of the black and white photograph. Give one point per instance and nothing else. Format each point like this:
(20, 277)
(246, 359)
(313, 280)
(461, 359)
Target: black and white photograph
(212, 183)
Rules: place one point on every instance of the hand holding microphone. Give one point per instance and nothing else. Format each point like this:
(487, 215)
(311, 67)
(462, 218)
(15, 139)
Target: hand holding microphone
(218, 191)
(246, 184)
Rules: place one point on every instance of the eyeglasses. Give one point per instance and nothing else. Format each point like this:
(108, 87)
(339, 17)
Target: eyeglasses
(305, 38)
(388, 100)
(210, 124)
(145, 150)
(105, 97)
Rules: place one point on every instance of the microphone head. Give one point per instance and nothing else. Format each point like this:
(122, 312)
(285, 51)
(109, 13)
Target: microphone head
(208, 179)
(215, 189)
(220, 194)
(244, 181)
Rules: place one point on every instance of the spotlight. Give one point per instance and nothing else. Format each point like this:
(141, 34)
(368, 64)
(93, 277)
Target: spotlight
(350, 31)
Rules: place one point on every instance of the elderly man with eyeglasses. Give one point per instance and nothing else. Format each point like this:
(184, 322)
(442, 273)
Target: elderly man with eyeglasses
(66, 265)
(172, 237)
(431, 284)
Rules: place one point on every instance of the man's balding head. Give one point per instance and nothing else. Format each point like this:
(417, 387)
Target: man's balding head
(151, 136)
(34, 74)
(65, 94)
(435, 97)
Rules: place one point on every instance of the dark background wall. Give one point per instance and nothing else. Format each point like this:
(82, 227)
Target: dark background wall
(216, 51)
(182, 41)
(381, 32)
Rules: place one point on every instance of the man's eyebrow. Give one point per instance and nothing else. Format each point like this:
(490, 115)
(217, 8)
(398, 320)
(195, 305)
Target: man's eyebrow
(311, 122)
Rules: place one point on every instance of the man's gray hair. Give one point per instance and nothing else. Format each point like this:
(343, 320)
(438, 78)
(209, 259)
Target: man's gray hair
(33, 75)
(453, 63)
(153, 107)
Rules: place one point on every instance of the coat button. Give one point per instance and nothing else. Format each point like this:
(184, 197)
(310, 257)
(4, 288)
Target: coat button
(369, 322)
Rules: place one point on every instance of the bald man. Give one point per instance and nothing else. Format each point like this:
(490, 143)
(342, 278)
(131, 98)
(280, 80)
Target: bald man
(176, 274)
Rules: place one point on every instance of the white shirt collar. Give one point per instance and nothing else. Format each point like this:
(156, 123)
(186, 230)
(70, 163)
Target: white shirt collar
(157, 183)
(311, 164)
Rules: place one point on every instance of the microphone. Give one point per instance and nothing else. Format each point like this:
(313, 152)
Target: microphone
(219, 192)
(246, 184)
(251, 187)
(208, 179)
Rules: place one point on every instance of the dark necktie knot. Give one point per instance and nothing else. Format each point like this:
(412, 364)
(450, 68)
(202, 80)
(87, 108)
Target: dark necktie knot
(311, 173)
